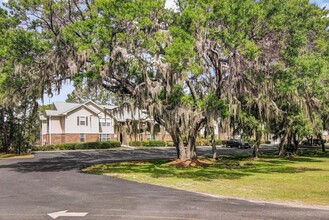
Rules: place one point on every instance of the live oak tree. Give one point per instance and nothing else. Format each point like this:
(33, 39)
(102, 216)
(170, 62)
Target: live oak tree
(19, 88)
(192, 67)
(140, 52)
(254, 48)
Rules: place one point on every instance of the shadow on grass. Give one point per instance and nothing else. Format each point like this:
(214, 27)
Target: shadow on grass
(313, 153)
(228, 167)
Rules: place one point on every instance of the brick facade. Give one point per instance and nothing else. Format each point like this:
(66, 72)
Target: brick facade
(67, 138)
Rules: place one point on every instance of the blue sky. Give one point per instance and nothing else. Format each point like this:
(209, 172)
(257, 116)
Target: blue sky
(321, 3)
(68, 88)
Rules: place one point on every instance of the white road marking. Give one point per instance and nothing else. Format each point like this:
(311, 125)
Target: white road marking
(55, 215)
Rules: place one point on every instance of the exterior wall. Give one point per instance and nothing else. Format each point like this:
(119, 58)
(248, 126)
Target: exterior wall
(72, 126)
(92, 137)
(44, 139)
(222, 136)
(67, 138)
(56, 125)
(71, 138)
(106, 129)
(44, 127)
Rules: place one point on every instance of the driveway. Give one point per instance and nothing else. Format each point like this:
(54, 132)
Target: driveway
(53, 182)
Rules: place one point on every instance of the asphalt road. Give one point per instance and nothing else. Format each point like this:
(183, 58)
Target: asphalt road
(53, 182)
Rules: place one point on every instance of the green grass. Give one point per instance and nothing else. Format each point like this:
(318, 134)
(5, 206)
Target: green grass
(6, 156)
(303, 180)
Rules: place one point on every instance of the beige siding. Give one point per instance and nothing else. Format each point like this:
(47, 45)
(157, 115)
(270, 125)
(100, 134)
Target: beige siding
(71, 125)
(44, 127)
(56, 125)
(107, 129)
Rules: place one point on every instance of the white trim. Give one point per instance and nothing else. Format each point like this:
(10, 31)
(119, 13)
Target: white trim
(83, 105)
(49, 129)
(83, 133)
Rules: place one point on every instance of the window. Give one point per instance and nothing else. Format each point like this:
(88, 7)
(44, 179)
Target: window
(82, 138)
(104, 137)
(150, 137)
(105, 122)
(82, 120)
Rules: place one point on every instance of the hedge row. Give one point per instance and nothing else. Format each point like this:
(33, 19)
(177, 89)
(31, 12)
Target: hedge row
(206, 142)
(199, 142)
(78, 146)
(151, 143)
(251, 142)
(154, 143)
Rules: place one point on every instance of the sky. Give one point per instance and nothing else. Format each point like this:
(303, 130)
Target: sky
(68, 88)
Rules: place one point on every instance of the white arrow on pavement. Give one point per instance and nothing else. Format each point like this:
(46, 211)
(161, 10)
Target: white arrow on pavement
(55, 215)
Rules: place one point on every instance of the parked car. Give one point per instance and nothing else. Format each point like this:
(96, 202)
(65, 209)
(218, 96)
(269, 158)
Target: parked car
(316, 142)
(237, 143)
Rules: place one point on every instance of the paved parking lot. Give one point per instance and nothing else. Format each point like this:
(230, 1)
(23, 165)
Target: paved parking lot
(46, 186)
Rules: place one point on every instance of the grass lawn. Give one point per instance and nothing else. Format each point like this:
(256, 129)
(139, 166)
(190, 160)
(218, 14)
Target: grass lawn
(303, 179)
(7, 156)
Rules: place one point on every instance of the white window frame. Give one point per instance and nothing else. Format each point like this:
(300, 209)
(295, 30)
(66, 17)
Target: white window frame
(82, 120)
(105, 122)
(151, 137)
(104, 137)
(82, 137)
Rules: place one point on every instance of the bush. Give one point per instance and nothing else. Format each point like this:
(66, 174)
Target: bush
(78, 146)
(154, 143)
(252, 142)
(206, 142)
(150, 143)
(219, 142)
(135, 143)
(169, 143)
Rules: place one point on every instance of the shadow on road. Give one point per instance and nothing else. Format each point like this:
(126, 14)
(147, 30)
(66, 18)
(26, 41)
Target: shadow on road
(50, 162)
(66, 161)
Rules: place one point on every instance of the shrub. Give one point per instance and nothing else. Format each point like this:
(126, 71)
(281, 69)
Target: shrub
(78, 146)
(169, 143)
(219, 142)
(135, 143)
(251, 142)
(150, 143)
(154, 143)
(206, 142)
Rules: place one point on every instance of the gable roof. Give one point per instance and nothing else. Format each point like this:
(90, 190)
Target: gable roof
(120, 115)
(62, 108)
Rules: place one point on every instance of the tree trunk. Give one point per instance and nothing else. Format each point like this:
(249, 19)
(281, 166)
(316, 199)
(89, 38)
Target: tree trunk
(213, 145)
(4, 130)
(323, 147)
(185, 151)
(281, 145)
(183, 156)
(255, 152)
(191, 148)
(176, 143)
